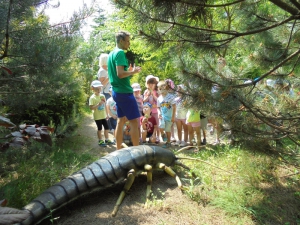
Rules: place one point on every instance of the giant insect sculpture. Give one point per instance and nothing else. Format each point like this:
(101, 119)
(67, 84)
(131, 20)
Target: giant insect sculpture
(120, 165)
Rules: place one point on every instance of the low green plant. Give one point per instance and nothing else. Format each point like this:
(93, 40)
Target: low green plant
(192, 188)
(51, 217)
(67, 125)
(234, 180)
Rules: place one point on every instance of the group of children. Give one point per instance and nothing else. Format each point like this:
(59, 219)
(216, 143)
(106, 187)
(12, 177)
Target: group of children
(161, 110)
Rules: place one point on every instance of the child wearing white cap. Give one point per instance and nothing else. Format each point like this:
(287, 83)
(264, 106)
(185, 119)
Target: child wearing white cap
(138, 97)
(139, 100)
(97, 104)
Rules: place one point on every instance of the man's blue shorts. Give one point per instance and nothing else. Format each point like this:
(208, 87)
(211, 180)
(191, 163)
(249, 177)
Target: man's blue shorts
(126, 105)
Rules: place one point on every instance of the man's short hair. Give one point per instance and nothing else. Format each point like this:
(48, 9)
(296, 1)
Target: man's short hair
(121, 35)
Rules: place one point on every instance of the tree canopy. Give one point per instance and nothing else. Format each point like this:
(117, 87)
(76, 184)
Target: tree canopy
(38, 79)
(259, 41)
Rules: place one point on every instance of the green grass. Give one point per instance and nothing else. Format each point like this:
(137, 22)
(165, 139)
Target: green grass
(255, 190)
(39, 171)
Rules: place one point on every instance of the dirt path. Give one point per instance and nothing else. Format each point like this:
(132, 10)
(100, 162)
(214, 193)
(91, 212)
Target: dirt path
(168, 206)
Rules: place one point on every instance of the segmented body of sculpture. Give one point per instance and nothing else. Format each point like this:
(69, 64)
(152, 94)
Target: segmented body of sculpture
(120, 165)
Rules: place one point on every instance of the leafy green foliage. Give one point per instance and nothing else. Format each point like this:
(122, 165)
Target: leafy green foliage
(259, 41)
(43, 85)
(51, 112)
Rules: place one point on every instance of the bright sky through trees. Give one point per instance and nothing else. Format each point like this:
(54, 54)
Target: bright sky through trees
(67, 7)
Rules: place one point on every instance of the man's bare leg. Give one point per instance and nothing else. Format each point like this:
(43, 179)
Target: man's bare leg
(119, 131)
(134, 131)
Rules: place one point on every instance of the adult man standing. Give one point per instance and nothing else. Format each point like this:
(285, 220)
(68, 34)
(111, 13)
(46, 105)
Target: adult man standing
(119, 74)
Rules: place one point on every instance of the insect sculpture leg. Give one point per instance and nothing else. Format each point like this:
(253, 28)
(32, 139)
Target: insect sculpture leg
(148, 169)
(182, 165)
(130, 179)
(171, 172)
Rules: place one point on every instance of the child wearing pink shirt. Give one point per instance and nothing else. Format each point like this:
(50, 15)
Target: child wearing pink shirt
(151, 95)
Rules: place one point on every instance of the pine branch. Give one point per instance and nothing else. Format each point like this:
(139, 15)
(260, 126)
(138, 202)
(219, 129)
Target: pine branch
(213, 6)
(295, 3)
(289, 42)
(10, 79)
(18, 93)
(285, 6)
(277, 66)
(234, 34)
(200, 4)
(157, 39)
(265, 19)
(6, 31)
(250, 108)
(231, 33)
(293, 139)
